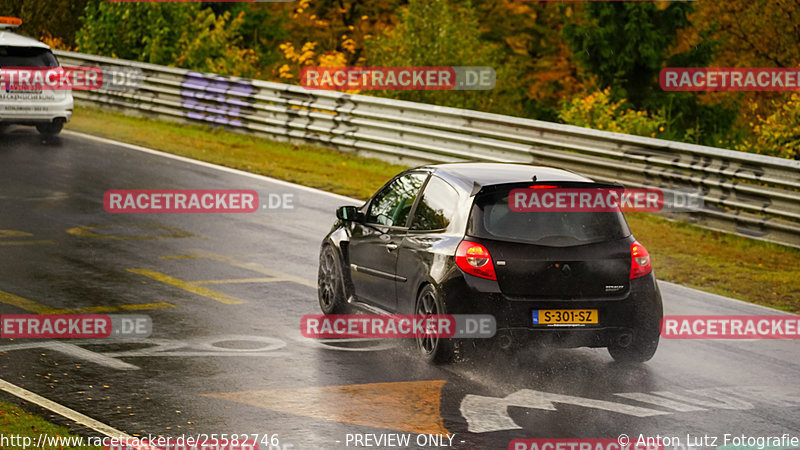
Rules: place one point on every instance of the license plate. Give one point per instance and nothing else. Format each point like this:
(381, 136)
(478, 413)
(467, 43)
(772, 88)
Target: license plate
(565, 317)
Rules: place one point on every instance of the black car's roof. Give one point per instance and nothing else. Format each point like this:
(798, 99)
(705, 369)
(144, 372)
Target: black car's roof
(487, 174)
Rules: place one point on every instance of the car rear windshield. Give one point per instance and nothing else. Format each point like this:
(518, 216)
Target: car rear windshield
(26, 57)
(492, 218)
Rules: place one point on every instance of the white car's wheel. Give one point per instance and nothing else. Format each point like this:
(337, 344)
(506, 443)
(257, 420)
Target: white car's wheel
(50, 129)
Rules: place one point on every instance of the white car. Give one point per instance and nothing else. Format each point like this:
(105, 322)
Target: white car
(47, 109)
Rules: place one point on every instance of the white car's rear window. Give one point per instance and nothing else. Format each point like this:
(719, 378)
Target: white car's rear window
(26, 57)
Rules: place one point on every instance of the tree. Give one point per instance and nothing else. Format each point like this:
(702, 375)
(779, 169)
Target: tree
(779, 133)
(174, 34)
(211, 43)
(752, 32)
(332, 33)
(262, 25)
(749, 33)
(598, 111)
(529, 33)
(147, 32)
(43, 19)
(626, 44)
(433, 33)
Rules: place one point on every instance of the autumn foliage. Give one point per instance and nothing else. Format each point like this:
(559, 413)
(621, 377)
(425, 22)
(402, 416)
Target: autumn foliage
(591, 64)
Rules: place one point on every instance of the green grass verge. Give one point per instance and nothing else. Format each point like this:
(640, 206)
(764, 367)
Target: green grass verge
(18, 424)
(318, 167)
(716, 262)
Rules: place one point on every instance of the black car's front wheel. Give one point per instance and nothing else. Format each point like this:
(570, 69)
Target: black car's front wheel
(330, 285)
(433, 348)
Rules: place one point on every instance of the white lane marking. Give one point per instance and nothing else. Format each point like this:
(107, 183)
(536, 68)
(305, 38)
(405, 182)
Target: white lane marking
(74, 351)
(659, 401)
(62, 410)
(487, 414)
(202, 346)
(205, 346)
(209, 165)
(88, 355)
(368, 345)
(715, 399)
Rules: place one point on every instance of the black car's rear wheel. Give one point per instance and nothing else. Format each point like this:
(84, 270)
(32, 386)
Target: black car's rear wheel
(433, 349)
(330, 285)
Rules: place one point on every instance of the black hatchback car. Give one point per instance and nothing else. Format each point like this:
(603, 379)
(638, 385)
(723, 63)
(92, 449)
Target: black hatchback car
(442, 239)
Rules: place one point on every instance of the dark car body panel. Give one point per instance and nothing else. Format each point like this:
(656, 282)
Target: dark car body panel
(389, 280)
(582, 272)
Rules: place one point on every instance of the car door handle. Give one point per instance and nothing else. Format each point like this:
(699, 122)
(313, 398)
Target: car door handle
(391, 246)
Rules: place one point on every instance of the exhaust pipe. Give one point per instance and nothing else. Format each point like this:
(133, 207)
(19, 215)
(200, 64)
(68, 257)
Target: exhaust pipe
(505, 341)
(624, 340)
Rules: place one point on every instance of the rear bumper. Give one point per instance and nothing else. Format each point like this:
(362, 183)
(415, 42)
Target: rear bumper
(562, 337)
(617, 317)
(32, 113)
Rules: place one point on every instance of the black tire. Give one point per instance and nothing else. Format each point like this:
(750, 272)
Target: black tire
(50, 129)
(434, 350)
(330, 284)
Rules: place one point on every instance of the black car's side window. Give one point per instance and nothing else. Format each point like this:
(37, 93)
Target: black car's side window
(436, 207)
(392, 205)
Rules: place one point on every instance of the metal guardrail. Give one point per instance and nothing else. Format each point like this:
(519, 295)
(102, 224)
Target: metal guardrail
(751, 195)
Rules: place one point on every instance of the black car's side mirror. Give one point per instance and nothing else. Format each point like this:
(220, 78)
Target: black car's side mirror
(349, 214)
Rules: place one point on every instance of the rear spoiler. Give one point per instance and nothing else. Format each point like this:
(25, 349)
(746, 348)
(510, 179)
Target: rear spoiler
(475, 189)
(478, 189)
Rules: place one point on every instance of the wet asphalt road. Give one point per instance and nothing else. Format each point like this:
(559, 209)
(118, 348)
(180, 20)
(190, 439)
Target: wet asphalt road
(226, 293)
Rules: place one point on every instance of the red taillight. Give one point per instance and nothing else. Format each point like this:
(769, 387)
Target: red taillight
(474, 259)
(640, 260)
(542, 186)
